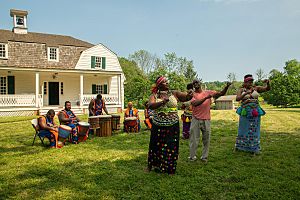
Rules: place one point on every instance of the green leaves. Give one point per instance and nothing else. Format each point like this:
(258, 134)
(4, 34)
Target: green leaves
(285, 86)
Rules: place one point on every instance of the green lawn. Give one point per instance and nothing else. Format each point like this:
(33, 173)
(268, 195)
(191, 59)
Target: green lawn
(113, 168)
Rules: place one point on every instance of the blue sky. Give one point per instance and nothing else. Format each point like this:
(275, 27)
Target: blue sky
(220, 36)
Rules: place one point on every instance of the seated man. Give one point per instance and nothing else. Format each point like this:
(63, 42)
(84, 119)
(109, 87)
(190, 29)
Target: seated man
(48, 128)
(148, 116)
(131, 119)
(68, 118)
(96, 106)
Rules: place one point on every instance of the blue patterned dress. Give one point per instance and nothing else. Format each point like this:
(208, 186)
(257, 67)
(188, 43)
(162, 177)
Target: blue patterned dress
(250, 112)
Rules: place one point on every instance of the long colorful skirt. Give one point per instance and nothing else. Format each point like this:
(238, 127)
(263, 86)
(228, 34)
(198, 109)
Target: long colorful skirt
(186, 124)
(186, 130)
(248, 138)
(164, 148)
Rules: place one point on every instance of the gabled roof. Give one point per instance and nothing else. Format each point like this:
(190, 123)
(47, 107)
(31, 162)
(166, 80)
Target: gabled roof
(227, 98)
(43, 38)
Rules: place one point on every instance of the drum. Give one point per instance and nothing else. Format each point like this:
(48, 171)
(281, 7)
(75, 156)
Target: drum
(131, 124)
(115, 122)
(94, 122)
(105, 126)
(83, 128)
(64, 131)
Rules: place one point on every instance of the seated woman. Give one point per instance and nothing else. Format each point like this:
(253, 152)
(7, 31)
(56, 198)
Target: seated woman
(148, 116)
(48, 128)
(131, 119)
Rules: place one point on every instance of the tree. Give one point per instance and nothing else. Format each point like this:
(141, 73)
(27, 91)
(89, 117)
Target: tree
(187, 69)
(260, 74)
(144, 60)
(137, 87)
(285, 86)
(170, 61)
(231, 77)
(233, 88)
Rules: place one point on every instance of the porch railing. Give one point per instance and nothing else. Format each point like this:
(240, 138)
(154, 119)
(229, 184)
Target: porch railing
(109, 99)
(17, 100)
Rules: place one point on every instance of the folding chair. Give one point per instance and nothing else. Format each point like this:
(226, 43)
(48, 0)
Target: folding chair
(34, 124)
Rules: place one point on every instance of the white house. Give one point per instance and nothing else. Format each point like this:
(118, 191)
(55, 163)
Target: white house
(40, 71)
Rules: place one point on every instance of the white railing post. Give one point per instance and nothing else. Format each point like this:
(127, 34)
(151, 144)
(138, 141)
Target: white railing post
(37, 81)
(81, 90)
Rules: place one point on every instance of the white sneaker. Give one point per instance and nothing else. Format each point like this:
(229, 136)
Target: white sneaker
(193, 158)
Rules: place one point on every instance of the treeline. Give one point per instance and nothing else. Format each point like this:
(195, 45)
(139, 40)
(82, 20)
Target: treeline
(142, 68)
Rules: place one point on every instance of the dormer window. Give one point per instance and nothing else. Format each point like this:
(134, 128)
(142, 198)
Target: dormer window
(53, 54)
(98, 62)
(3, 51)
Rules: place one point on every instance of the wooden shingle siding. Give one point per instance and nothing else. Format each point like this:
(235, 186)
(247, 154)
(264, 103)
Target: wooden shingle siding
(34, 55)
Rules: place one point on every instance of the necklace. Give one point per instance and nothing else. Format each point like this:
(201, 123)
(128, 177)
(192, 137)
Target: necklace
(163, 92)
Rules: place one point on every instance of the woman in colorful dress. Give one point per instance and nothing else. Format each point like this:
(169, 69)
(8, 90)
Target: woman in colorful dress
(164, 139)
(186, 117)
(250, 112)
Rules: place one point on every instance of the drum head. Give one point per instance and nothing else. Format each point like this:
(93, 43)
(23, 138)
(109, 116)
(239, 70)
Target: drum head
(65, 127)
(93, 117)
(104, 116)
(130, 118)
(83, 124)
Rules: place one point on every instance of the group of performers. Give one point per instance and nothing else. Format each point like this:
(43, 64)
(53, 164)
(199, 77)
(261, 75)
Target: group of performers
(161, 117)
(164, 140)
(70, 124)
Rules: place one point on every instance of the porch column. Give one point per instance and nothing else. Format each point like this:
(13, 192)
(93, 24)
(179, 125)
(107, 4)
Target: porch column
(81, 90)
(37, 82)
(119, 89)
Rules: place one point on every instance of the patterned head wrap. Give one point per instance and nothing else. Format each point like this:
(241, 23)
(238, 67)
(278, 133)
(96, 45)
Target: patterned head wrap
(250, 78)
(157, 83)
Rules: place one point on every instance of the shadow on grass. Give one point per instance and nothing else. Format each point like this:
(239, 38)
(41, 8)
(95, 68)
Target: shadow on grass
(81, 178)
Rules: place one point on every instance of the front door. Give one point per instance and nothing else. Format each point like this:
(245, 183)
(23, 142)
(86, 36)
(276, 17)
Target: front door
(53, 93)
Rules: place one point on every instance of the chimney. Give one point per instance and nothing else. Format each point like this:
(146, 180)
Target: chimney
(19, 20)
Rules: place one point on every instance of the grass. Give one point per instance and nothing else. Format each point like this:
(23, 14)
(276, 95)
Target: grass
(113, 167)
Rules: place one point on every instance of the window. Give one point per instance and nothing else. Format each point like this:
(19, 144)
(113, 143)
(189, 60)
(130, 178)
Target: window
(45, 88)
(3, 85)
(3, 50)
(99, 89)
(98, 62)
(61, 88)
(53, 54)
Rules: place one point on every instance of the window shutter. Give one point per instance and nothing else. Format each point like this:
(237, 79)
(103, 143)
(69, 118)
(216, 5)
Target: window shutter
(93, 61)
(103, 62)
(11, 84)
(105, 89)
(94, 89)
